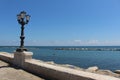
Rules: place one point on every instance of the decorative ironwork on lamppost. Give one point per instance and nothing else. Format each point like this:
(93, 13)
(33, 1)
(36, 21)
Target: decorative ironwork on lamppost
(22, 19)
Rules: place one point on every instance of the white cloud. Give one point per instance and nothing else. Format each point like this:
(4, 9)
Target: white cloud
(76, 42)
(93, 42)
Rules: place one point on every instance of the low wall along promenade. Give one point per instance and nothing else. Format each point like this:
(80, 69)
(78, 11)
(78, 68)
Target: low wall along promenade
(50, 71)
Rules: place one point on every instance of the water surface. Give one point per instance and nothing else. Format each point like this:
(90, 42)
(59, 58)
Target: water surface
(103, 59)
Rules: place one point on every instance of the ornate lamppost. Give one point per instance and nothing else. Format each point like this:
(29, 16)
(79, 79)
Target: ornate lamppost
(22, 19)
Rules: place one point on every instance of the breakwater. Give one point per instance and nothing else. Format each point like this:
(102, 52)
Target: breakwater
(90, 49)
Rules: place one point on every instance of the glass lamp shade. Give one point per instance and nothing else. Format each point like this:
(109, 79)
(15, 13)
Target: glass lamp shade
(18, 17)
(27, 17)
(22, 14)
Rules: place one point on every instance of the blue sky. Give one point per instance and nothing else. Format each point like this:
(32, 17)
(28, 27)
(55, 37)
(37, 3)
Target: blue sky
(62, 22)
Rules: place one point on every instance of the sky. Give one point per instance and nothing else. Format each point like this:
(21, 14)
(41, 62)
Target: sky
(61, 22)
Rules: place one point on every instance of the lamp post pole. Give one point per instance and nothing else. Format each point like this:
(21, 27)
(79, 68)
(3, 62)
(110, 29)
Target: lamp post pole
(22, 37)
(22, 20)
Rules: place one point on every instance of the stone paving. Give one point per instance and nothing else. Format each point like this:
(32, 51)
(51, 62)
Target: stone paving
(10, 73)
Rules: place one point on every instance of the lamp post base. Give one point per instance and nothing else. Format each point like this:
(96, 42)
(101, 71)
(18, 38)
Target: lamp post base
(21, 49)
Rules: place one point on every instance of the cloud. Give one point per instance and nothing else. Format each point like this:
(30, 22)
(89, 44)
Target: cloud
(76, 42)
(9, 43)
(95, 43)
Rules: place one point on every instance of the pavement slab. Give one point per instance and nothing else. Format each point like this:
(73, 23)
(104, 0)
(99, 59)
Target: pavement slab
(10, 73)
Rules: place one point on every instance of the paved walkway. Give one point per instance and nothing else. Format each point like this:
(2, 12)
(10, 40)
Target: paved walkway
(9, 73)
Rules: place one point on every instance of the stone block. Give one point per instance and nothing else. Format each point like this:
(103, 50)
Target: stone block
(20, 57)
(92, 69)
(117, 71)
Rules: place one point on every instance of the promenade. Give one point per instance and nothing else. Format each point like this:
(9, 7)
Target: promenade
(45, 69)
(7, 72)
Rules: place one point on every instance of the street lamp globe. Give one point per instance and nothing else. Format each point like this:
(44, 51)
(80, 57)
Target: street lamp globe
(27, 18)
(23, 14)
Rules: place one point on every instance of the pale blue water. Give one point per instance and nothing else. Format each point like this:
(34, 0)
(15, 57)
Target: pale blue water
(103, 59)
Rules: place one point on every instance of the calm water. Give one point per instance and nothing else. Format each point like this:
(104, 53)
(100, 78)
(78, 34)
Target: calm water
(103, 59)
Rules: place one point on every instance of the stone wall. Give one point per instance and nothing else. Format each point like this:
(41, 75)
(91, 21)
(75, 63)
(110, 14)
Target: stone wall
(7, 57)
(53, 72)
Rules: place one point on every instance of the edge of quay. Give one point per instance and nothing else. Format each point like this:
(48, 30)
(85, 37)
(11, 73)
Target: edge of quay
(53, 72)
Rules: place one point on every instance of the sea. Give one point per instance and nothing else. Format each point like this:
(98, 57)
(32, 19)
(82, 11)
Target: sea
(105, 57)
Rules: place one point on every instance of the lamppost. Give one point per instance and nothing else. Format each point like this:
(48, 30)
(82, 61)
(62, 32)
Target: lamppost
(22, 19)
